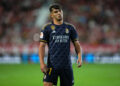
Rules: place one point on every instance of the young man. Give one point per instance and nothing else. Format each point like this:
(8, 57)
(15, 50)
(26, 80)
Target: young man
(57, 36)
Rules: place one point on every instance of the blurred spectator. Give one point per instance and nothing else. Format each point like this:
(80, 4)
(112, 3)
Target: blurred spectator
(96, 21)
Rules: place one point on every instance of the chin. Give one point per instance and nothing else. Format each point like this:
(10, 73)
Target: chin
(59, 19)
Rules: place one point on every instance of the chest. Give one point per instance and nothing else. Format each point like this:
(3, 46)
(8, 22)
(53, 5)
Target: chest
(59, 30)
(59, 34)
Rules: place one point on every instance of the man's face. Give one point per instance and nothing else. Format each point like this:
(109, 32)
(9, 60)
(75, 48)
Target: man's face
(57, 14)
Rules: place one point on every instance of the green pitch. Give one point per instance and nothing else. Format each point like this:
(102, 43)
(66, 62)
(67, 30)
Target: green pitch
(87, 75)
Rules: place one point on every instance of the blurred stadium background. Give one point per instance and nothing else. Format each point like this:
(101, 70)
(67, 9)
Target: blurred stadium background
(97, 23)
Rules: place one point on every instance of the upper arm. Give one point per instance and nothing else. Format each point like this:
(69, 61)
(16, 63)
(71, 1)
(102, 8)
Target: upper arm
(44, 35)
(73, 34)
(76, 43)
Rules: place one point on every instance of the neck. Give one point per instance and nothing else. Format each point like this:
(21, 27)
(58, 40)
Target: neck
(58, 22)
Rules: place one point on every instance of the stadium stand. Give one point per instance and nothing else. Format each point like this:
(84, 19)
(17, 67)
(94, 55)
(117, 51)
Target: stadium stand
(97, 23)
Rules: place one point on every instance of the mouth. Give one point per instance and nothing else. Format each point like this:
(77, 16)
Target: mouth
(59, 16)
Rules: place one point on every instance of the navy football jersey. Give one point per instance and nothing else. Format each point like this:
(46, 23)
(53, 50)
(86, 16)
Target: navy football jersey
(58, 39)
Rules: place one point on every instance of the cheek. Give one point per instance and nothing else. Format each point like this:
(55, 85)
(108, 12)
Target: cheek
(54, 15)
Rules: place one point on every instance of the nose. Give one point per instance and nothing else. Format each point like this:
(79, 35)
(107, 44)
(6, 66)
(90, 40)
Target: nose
(59, 12)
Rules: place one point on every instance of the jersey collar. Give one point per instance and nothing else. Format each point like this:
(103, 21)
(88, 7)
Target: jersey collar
(58, 25)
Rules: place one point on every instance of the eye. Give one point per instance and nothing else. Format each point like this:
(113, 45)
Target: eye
(55, 11)
(60, 10)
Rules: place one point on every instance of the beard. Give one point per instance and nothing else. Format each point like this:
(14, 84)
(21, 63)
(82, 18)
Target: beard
(59, 18)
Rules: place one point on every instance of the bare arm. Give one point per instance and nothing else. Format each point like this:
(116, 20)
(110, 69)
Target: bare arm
(43, 66)
(79, 53)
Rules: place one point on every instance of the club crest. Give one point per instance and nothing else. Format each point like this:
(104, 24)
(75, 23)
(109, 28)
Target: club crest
(67, 30)
(52, 27)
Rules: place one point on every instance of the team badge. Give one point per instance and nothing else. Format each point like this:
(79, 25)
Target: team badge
(41, 35)
(67, 30)
(52, 27)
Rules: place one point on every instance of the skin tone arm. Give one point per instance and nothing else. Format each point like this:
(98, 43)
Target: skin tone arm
(43, 66)
(79, 53)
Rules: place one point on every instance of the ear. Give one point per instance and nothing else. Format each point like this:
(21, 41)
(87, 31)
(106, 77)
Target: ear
(51, 15)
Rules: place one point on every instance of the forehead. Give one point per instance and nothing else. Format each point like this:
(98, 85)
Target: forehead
(53, 9)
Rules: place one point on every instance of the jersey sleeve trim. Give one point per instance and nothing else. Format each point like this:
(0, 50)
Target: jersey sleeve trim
(45, 26)
(69, 24)
(75, 40)
(43, 41)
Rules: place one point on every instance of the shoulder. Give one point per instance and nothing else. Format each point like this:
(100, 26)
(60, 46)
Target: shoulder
(69, 25)
(46, 26)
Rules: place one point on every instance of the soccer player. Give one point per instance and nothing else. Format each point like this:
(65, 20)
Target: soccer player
(57, 36)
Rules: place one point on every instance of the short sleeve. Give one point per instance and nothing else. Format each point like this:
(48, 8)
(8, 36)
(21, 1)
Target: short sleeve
(44, 35)
(73, 34)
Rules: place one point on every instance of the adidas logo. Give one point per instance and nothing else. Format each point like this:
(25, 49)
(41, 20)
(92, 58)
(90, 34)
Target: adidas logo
(53, 31)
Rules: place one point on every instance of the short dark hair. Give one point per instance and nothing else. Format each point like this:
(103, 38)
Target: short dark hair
(55, 6)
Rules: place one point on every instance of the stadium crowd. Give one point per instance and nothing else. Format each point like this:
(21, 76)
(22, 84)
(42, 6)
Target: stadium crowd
(17, 20)
(97, 21)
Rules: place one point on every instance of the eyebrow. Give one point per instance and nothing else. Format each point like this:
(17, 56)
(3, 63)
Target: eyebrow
(55, 11)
